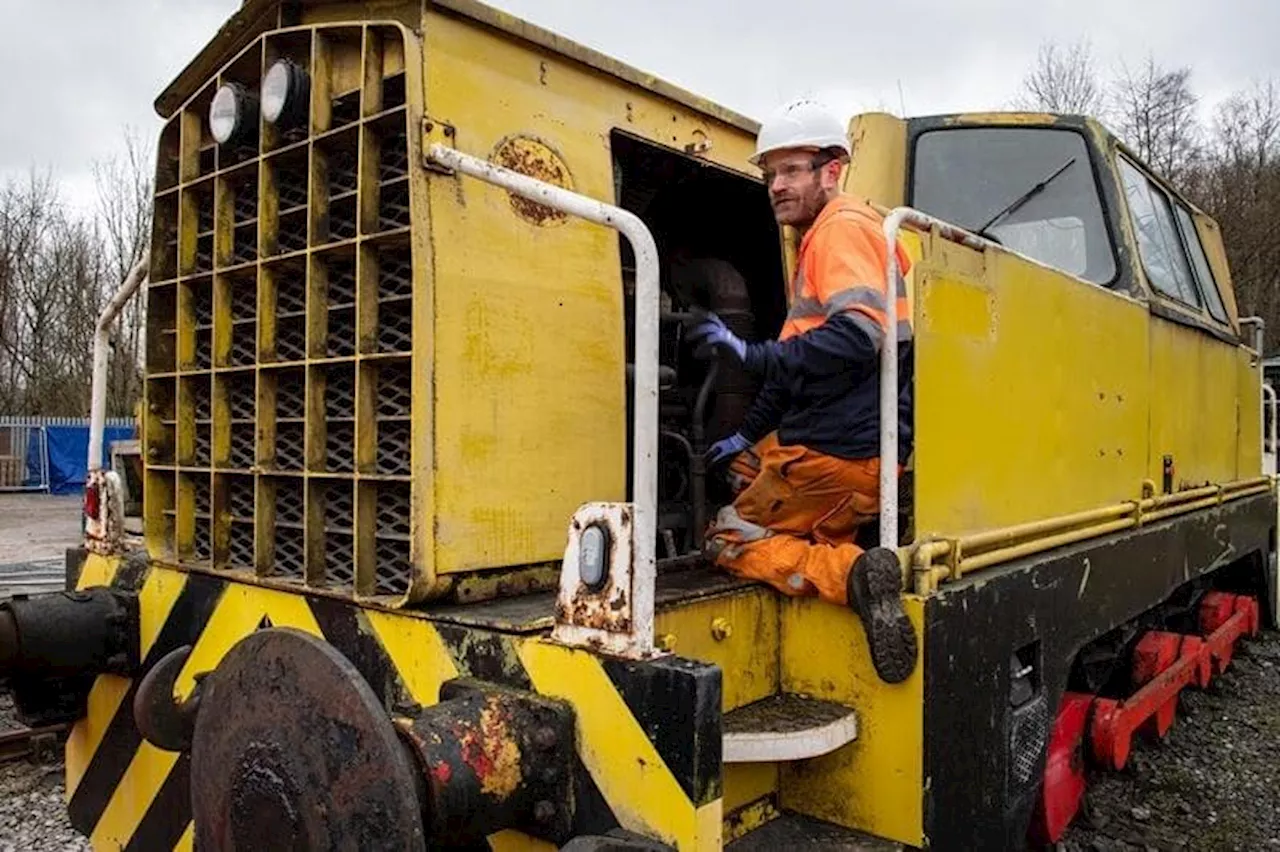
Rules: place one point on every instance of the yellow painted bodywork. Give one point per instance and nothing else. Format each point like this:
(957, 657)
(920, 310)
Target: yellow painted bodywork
(528, 334)
(1032, 392)
(875, 783)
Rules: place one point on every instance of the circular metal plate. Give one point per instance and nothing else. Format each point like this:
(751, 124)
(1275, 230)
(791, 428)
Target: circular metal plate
(293, 751)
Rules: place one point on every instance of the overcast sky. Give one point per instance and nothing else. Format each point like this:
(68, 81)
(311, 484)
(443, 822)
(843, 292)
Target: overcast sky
(77, 72)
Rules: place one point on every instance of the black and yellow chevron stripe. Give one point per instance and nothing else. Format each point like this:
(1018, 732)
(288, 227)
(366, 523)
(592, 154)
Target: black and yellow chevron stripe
(648, 733)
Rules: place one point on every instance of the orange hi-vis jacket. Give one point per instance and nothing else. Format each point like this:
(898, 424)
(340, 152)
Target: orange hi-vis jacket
(821, 377)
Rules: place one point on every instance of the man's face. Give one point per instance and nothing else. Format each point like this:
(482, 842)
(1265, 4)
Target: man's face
(798, 190)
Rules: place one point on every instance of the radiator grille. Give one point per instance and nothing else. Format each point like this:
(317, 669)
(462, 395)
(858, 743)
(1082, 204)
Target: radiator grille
(280, 326)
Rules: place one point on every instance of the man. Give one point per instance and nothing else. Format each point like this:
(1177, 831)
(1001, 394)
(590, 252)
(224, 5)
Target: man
(815, 425)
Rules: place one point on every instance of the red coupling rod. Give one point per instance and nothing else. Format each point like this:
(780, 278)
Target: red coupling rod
(1224, 618)
(1171, 661)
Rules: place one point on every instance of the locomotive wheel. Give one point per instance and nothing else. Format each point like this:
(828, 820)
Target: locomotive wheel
(292, 750)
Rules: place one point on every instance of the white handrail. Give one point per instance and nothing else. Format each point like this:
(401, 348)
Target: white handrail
(645, 446)
(101, 358)
(1269, 394)
(889, 359)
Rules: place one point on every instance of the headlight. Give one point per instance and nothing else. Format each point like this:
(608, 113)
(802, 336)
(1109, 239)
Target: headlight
(284, 93)
(593, 556)
(231, 112)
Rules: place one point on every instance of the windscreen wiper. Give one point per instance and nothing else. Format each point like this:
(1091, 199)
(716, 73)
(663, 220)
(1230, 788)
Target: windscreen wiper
(1025, 197)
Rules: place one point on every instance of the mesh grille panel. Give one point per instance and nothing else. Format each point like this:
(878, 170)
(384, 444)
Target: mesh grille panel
(291, 183)
(201, 458)
(395, 274)
(339, 560)
(244, 344)
(1028, 736)
(340, 392)
(242, 450)
(342, 171)
(340, 452)
(291, 339)
(200, 488)
(393, 161)
(342, 219)
(289, 446)
(346, 108)
(240, 546)
(261, 211)
(293, 233)
(393, 212)
(204, 253)
(395, 330)
(203, 545)
(246, 244)
(291, 291)
(342, 332)
(246, 202)
(241, 397)
(289, 502)
(395, 390)
(240, 497)
(289, 553)
(199, 389)
(394, 569)
(393, 448)
(339, 507)
(244, 298)
(342, 281)
(291, 394)
(393, 510)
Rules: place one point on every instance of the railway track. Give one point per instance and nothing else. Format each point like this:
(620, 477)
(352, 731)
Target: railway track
(42, 743)
(32, 578)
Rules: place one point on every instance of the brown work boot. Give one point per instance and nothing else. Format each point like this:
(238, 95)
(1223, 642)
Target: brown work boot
(875, 594)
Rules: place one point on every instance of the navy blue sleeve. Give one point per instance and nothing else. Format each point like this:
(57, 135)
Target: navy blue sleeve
(766, 411)
(844, 342)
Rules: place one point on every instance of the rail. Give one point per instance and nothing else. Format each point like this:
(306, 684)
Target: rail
(967, 554)
(893, 222)
(1269, 447)
(638, 638)
(101, 357)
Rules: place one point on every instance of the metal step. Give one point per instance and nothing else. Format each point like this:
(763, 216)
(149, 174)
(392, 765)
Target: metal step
(793, 832)
(787, 727)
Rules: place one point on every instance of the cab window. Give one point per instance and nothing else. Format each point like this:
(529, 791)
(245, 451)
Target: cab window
(1159, 243)
(1030, 189)
(1200, 263)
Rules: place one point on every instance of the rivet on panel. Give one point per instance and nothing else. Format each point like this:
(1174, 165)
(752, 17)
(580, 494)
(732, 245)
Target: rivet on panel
(721, 629)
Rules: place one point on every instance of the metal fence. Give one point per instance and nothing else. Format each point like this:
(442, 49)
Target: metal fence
(24, 449)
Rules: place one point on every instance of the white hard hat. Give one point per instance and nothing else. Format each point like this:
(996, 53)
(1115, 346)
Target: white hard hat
(804, 123)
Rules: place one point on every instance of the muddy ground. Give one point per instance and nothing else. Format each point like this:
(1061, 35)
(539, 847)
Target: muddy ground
(1211, 784)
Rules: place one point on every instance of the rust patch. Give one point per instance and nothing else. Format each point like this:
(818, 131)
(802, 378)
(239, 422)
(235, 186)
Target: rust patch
(492, 753)
(535, 158)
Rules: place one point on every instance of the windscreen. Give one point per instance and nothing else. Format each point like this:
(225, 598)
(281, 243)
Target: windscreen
(1031, 189)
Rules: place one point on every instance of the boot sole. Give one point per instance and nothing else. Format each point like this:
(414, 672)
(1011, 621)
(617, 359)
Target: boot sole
(875, 586)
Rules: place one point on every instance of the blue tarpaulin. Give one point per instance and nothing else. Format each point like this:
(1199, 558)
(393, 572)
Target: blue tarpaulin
(69, 454)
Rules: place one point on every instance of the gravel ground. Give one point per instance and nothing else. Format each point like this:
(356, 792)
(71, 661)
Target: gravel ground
(33, 816)
(1211, 784)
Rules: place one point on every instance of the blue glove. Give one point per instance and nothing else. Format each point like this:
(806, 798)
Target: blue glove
(726, 448)
(711, 333)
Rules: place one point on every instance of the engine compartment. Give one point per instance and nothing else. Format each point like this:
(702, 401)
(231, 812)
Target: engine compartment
(721, 251)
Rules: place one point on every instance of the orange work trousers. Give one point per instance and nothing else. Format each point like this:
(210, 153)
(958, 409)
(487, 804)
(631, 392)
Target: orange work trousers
(792, 526)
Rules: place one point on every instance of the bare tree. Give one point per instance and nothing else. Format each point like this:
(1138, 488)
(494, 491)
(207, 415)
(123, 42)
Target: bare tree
(1155, 111)
(1063, 80)
(1238, 183)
